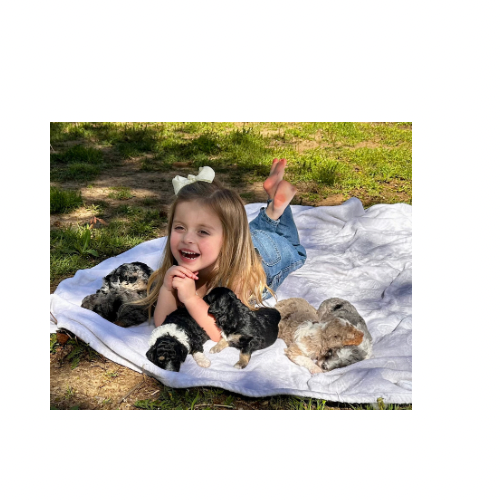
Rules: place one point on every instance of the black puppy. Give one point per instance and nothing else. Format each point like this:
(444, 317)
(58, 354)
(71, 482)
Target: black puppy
(124, 284)
(241, 327)
(178, 336)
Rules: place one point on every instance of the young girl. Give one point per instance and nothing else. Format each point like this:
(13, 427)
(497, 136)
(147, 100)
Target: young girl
(211, 244)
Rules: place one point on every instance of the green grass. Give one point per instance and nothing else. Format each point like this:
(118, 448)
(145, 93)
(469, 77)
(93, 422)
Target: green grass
(149, 201)
(78, 171)
(79, 153)
(64, 200)
(370, 158)
(53, 343)
(120, 193)
(128, 226)
(80, 351)
(209, 398)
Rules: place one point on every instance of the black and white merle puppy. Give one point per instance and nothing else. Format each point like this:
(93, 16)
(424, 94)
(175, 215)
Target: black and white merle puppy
(123, 285)
(178, 336)
(241, 327)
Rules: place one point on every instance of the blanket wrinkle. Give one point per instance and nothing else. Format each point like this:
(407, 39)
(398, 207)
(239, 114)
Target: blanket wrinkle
(363, 256)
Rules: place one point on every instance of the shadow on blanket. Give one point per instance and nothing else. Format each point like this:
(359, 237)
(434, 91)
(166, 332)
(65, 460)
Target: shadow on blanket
(125, 284)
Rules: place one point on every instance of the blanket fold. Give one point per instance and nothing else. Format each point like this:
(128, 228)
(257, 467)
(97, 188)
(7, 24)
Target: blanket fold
(363, 256)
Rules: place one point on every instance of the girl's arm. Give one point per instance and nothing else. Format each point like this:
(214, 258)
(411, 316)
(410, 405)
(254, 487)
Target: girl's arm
(196, 306)
(165, 304)
(198, 309)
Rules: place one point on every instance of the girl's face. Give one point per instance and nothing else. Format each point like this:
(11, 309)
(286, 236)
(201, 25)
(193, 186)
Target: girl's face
(196, 236)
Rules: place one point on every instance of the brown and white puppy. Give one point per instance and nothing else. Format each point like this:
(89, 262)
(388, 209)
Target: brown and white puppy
(315, 335)
(342, 310)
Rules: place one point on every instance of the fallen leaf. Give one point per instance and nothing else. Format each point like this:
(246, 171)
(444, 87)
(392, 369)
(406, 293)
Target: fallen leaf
(62, 338)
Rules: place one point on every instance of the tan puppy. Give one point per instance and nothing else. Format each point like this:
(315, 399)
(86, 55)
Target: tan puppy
(310, 336)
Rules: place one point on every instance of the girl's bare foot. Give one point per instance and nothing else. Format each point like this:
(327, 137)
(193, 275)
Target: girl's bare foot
(282, 198)
(275, 177)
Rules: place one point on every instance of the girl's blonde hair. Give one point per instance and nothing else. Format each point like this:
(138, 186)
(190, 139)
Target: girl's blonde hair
(239, 266)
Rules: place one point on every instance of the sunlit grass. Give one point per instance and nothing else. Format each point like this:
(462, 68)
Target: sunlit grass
(338, 156)
(120, 193)
(127, 228)
(364, 159)
(210, 398)
(64, 200)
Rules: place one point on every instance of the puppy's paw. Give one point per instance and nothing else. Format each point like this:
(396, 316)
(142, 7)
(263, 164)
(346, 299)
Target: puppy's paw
(222, 344)
(315, 369)
(205, 363)
(243, 362)
(202, 361)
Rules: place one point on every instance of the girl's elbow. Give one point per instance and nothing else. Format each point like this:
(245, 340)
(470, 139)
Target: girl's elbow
(215, 337)
(214, 334)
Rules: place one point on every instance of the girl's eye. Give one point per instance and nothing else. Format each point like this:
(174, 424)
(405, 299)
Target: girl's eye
(204, 232)
(178, 227)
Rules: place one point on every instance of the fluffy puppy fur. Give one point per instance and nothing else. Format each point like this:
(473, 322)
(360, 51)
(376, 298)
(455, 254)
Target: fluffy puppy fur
(242, 328)
(320, 335)
(342, 310)
(125, 284)
(178, 336)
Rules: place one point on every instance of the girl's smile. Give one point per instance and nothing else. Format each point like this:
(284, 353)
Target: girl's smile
(196, 236)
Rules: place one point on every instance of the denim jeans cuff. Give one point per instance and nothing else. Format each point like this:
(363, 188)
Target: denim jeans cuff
(268, 219)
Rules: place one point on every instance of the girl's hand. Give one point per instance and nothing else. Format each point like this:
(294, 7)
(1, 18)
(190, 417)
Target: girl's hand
(179, 272)
(186, 288)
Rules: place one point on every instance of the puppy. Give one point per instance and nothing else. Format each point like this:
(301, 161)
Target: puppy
(342, 310)
(241, 327)
(311, 336)
(123, 285)
(178, 336)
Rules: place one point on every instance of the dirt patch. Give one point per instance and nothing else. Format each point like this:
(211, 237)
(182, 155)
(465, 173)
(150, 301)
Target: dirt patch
(101, 384)
(96, 385)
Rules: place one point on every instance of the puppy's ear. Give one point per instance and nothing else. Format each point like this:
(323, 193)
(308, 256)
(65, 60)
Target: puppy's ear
(341, 331)
(181, 351)
(234, 310)
(354, 337)
(213, 295)
(209, 298)
(150, 354)
(214, 308)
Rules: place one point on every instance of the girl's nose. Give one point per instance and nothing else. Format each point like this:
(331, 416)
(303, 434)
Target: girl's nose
(188, 237)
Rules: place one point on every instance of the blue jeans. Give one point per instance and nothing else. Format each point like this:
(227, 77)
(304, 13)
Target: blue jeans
(277, 242)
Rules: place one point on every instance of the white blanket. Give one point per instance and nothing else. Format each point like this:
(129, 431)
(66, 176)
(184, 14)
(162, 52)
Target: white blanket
(364, 256)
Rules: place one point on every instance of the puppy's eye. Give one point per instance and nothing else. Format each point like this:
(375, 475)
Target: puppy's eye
(329, 353)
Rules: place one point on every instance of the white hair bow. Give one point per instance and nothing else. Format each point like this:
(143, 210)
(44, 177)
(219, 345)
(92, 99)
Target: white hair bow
(205, 174)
